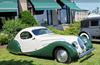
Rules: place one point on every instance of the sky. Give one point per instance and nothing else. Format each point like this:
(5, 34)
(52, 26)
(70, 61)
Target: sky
(88, 4)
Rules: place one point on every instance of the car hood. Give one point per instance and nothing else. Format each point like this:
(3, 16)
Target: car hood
(55, 37)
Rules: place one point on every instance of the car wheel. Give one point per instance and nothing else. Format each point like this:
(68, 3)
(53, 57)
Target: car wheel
(61, 55)
(85, 35)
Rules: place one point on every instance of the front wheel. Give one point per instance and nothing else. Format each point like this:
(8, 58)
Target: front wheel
(61, 55)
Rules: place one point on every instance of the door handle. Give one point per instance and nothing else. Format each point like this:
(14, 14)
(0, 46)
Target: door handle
(33, 39)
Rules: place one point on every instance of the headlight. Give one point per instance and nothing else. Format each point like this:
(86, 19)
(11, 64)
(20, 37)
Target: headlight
(75, 44)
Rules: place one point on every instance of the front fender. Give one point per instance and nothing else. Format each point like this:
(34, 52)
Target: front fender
(70, 49)
(47, 51)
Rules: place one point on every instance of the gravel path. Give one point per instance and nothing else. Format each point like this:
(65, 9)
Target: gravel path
(3, 46)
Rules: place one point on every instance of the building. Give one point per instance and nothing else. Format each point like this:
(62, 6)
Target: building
(50, 12)
(80, 15)
(45, 11)
(67, 11)
(8, 8)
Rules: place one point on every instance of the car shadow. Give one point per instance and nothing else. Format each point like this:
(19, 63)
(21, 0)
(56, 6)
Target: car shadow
(86, 58)
(16, 62)
(52, 59)
(39, 57)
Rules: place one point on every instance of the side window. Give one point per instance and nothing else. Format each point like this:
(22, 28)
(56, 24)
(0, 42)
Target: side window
(25, 35)
(94, 22)
(85, 24)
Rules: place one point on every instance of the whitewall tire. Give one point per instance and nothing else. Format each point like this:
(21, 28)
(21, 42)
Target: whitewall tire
(85, 35)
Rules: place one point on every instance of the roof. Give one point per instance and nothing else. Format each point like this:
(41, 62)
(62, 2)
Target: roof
(8, 6)
(33, 28)
(70, 4)
(45, 4)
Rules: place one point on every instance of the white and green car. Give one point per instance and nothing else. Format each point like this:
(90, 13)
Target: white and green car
(41, 42)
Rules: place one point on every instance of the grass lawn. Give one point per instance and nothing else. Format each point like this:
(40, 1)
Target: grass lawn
(7, 58)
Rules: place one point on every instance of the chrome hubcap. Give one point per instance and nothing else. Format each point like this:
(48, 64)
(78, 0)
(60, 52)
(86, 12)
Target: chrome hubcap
(62, 56)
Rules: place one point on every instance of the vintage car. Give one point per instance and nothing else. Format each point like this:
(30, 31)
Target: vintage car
(41, 42)
(90, 27)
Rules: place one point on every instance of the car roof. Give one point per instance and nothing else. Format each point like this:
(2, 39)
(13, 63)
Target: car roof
(92, 17)
(33, 28)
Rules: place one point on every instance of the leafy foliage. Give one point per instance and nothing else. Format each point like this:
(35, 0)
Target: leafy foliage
(56, 30)
(12, 27)
(73, 29)
(4, 38)
(27, 18)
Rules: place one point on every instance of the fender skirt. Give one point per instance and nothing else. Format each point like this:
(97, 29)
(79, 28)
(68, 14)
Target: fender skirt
(14, 47)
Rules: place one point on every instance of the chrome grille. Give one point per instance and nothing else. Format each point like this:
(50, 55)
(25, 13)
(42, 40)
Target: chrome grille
(81, 43)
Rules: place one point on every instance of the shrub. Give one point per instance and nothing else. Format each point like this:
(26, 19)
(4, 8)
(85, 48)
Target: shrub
(73, 29)
(56, 30)
(4, 38)
(27, 18)
(12, 27)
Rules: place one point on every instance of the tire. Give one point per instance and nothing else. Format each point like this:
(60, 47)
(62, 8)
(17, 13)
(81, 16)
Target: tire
(85, 35)
(62, 56)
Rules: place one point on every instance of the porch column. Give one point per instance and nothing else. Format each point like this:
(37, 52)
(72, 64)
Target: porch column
(54, 17)
(23, 4)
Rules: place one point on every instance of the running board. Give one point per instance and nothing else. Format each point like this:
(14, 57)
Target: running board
(96, 40)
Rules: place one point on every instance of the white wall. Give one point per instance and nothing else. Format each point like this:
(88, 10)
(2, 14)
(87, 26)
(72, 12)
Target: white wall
(80, 15)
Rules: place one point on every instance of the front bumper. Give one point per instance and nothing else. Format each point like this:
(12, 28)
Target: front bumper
(86, 52)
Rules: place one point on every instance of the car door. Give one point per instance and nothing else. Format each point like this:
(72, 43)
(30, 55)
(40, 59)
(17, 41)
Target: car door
(43, 38)
(27, 41)
(94, 27)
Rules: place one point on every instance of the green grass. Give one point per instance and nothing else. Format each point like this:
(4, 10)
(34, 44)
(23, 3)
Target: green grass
(7, 58)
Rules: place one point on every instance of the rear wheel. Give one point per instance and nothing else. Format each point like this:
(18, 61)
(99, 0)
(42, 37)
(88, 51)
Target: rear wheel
(61, 55)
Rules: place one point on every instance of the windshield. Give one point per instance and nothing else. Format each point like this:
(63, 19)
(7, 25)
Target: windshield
(41, 31)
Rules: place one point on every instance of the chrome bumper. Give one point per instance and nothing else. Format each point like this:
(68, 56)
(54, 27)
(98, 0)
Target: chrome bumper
(86, 52)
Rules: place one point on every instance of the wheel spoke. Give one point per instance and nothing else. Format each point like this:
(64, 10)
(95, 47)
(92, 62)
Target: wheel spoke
(62, 56)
